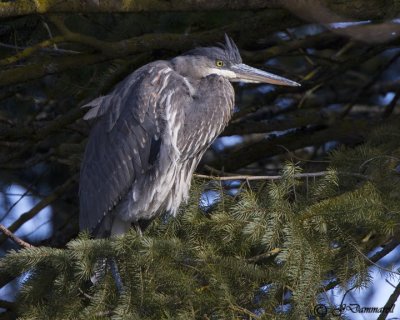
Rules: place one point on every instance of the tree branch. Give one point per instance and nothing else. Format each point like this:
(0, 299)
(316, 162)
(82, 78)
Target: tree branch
(14, 238)
(25, 7)
(145, 43)
(31, 50)
(330, 10)
(390, 303)
(277, 177)
(343, 131)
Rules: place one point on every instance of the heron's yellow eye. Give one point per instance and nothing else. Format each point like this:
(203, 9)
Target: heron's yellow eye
(219, 63)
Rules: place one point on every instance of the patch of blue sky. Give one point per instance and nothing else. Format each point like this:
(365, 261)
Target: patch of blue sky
(227, 142)
(306, 30)
(284, 102)
(37, 228)
(209, 198)
(341, 25)
(385, 99)
(330, 145)
(265, 88)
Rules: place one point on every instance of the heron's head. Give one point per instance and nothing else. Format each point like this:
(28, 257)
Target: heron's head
(226, 61)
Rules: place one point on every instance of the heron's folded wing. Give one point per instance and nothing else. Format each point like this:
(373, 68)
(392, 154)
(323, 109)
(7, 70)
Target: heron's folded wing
(126, 140)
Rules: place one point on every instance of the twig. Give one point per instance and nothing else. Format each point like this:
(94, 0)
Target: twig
(278, 177)
(58, 50)
(265, 255)
(46, 26)
(245, 311)
(85, 294)
(373, 262)
(14, 238)
(31, 50)
(375, 258)
(247, 177)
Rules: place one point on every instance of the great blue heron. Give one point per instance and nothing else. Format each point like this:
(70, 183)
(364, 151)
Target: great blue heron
(151, 132)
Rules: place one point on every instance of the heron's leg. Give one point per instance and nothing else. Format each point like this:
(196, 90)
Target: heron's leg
(118, 228)
(138, 228)
(101, 267)
(115, 274)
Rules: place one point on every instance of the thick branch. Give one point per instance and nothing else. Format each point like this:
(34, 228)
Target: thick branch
(145, 43)
(55, 65)
(390, 303)
(356, 9)
(24, 7)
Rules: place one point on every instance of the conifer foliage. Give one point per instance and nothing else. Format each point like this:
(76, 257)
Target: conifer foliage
(268, 252)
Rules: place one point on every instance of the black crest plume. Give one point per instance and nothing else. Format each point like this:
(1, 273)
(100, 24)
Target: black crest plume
(231, 50)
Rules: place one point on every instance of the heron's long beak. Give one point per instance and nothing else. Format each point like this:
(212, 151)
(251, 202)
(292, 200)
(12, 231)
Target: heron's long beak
(246, 73)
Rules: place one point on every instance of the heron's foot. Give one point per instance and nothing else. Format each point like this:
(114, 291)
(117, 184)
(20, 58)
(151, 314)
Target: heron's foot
(100, 270)
(101, 267)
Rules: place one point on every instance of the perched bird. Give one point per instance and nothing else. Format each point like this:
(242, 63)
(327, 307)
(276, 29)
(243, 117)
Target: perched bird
(150, 133)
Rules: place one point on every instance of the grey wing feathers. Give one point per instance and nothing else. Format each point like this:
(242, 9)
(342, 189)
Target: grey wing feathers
(124, 142)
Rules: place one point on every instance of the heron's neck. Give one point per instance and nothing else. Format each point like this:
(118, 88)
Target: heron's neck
(185, 67)
(187, 70)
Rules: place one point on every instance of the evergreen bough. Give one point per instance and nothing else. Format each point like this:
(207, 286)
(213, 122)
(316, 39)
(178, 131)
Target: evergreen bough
(268, 252)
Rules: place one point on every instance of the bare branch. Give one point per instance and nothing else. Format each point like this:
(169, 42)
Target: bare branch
(277, 177)
(247, 177)
(14, 238)
(390, 303)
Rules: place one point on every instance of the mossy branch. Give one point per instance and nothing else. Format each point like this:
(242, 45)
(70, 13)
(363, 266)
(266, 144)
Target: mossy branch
(25, 7)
